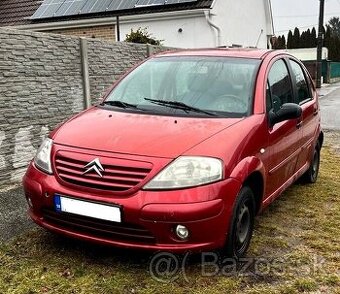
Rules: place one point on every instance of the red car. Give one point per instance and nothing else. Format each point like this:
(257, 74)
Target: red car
(182, 153)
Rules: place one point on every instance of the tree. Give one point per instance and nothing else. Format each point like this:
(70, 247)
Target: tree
(279, 42)
(327, 38)
(303, 40)
(332, 42)
(334, 25)
(308, 41)
(296, 38)
(283, 42)
(141, 36)
(313, 38)
(332, 38)
(290, 40)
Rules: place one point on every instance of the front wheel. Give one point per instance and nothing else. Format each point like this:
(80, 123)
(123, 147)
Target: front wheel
(311, 175)
(242, 224)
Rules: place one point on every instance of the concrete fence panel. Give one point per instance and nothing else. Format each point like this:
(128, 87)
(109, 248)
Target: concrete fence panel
(42, 83)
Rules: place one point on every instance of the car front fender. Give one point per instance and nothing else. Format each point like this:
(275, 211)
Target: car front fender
(246, 167)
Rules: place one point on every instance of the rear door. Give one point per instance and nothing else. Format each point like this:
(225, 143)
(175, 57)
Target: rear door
(306, 97)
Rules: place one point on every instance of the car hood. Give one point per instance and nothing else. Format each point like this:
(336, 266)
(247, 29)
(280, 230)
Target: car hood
(139, 134)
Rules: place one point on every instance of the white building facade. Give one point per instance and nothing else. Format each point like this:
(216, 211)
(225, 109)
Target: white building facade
(246, 23)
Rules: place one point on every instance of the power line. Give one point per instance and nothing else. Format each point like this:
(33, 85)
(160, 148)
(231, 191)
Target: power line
(305, 15)
(303, 27)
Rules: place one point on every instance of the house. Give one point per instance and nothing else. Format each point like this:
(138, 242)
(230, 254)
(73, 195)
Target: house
(179, 23)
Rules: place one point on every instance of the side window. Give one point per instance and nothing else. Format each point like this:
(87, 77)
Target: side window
(269, 104)
(280, 85)
(302, 88)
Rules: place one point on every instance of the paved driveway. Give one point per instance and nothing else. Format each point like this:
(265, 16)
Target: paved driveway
(330, 110)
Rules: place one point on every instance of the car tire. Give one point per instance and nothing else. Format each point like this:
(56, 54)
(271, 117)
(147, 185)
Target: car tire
(311, 175)
(242, 224)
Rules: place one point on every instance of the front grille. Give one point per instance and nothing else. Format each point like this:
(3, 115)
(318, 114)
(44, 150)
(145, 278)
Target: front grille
(98, 228)
(119, 175)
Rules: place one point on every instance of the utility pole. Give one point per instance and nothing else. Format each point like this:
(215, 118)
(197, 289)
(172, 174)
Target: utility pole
(320, 43)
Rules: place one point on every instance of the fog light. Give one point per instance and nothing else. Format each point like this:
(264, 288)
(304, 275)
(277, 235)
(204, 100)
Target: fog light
(29, 201)
(182, 232)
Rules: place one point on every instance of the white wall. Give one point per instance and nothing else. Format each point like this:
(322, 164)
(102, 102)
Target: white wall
(242, 21)
(307, 54)
(195, 33)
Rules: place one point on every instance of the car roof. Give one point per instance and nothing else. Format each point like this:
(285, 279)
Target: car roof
(221, 52)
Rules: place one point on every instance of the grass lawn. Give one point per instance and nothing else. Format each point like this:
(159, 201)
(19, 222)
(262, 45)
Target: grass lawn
(295, 248)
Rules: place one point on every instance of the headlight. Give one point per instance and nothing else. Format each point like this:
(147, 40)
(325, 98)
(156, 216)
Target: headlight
(43, 157)
(187, 171)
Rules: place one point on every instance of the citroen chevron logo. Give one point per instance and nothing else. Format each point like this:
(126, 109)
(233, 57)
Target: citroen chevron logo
(94, 165)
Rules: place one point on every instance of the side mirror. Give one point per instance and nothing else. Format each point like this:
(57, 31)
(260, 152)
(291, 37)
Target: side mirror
(287, 111)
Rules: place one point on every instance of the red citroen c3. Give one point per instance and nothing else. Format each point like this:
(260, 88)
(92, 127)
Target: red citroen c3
(182, 152)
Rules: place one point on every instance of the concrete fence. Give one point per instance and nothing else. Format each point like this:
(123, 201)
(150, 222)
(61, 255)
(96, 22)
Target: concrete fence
(46, 78)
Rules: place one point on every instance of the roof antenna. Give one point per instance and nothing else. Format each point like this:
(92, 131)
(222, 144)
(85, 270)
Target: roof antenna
(258, 39)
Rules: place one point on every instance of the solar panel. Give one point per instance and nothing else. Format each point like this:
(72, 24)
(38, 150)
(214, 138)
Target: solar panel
(143, 3)
(70, 7)
(178, 1)
(59, 8)
(122, 5)
(101, 6)
(47, 9)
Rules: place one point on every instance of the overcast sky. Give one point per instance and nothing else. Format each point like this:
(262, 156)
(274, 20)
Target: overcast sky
(303, 14)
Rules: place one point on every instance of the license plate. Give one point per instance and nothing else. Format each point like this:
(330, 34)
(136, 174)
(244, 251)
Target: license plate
(86, 208)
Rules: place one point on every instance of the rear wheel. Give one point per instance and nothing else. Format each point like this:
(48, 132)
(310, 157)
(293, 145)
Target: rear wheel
(311, 175)
(242, 224)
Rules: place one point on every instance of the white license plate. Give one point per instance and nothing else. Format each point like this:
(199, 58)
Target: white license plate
(85, 208)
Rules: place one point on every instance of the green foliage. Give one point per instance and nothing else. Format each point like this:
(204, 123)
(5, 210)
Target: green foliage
(141, 36)
(334, 26)
(296, 38)
(279, 42)
(313, 42)
(290, 40)
(332, 39)
(283, 42)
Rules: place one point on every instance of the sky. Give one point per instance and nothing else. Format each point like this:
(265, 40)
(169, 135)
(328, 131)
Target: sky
(303, 14)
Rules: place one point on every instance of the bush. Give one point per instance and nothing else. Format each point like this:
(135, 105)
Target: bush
(141, 36)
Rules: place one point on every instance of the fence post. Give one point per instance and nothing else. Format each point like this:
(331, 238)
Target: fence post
(148, 50)
(85, 72)
(328, 76)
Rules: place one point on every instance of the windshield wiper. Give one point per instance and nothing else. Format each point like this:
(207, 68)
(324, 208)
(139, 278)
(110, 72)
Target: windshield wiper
(120, 104)
(179, 105)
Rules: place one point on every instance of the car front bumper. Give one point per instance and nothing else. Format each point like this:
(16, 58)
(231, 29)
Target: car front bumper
(149, 218)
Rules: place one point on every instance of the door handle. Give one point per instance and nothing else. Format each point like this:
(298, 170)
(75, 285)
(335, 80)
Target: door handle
(316, 111)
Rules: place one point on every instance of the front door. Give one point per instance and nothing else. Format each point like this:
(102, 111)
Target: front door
(283, 137)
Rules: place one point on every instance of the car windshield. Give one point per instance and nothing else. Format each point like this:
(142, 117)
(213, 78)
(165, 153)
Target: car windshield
(189, 86)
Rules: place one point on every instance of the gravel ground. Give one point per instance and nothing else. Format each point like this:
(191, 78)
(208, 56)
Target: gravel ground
(332, 140)
(13, 216)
